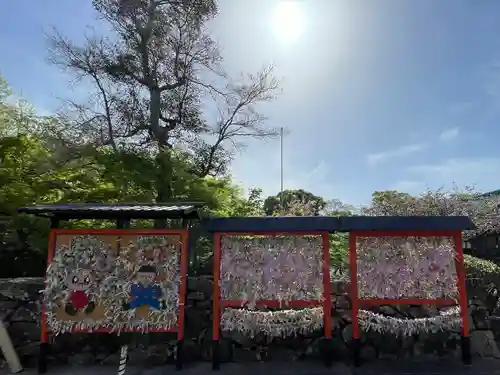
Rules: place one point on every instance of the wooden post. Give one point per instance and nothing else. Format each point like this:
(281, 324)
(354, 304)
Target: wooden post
(327, 302)
(216, 303)
(122, 365)
(8, 350)
(44, 337)
(353, 258)
(462, 289)
(179, 348)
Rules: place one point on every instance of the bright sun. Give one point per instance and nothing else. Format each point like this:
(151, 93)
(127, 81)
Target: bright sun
(288, 22)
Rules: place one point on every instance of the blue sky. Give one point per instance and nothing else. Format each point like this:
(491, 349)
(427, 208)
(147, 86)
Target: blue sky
(384, 94)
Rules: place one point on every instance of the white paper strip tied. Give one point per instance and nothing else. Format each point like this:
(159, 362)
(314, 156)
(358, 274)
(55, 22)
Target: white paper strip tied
(282, 323)
(406, 267)
(272, 268)
(448, 320)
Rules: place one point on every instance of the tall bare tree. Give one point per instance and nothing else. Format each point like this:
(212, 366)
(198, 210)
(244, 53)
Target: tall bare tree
(151, 76)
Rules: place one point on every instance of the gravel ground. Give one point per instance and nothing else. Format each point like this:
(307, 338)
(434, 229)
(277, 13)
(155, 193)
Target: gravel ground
(274, 368)
(442, 367)
(429, 367)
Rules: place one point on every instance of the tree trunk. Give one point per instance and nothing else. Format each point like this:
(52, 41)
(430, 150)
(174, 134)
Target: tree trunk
(164, 157)
(163, 181)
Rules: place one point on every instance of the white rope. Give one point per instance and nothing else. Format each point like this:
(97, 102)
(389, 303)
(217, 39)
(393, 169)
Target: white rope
(123, 360)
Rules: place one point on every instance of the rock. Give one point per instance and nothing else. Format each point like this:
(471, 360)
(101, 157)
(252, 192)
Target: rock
(19, 303)
(480, 316)
(483, 344)
(244, 355)
(337, 287)
(8, 306)
(495, 325)
(347, 316)
(368, 353)
(30, 350)
(24, 332)
(239, 338)
(191, 351)
(430, 310)
(388, 345)
(22, 288)
(137, 357)
(407, 347)
(111, 360)
(203, 284)
(79, 359)
(342, 303)
(476, 303)
(196, 296)
(24, 314)
(261, 354)
(472, 324)
(418, 312)
(225, 350)
(388, 310)
(196, 320)
(313, 347)
(345, 288)
(205, 305)
(341, 352)
(347, 334)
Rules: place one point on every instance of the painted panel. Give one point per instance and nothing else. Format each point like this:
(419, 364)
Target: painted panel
(113, 282)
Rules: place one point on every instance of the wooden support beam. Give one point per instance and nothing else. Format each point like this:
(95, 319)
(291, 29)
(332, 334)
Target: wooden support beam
(8, 350)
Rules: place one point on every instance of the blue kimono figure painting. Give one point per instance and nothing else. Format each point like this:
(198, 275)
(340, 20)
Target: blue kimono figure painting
(145, 292)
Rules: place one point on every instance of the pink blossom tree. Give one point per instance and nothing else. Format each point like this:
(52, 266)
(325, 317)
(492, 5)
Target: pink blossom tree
(483, 211)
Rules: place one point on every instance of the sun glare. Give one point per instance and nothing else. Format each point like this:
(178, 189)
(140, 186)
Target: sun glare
(288, 21)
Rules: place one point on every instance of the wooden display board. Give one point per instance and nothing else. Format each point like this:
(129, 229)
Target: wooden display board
(415, 267)
(117, 280)
(248, 270)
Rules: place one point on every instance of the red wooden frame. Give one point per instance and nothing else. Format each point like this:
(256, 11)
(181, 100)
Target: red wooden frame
(357, 303)
(219, 304)
(126, 232)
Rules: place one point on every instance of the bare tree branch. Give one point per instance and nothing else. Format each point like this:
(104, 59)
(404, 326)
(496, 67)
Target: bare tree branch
(151, 85)
(238, 118)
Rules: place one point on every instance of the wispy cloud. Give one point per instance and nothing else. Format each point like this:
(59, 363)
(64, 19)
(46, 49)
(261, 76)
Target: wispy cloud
(248, 171)
(461, 108)
(481, 172)
(380, 157)
(492, 80)
(449, 134)
(409, 186)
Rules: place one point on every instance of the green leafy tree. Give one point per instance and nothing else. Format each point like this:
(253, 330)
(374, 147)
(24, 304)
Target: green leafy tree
(37, 165)
(236, 204)
(339, 242)
(484, 212)
(25, 176)
(289, 200)
(151, 77)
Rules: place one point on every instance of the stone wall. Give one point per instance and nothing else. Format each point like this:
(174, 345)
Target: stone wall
(20, 310)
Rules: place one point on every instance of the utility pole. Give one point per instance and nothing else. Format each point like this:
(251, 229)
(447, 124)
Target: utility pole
(281, 135)
(281, 168)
